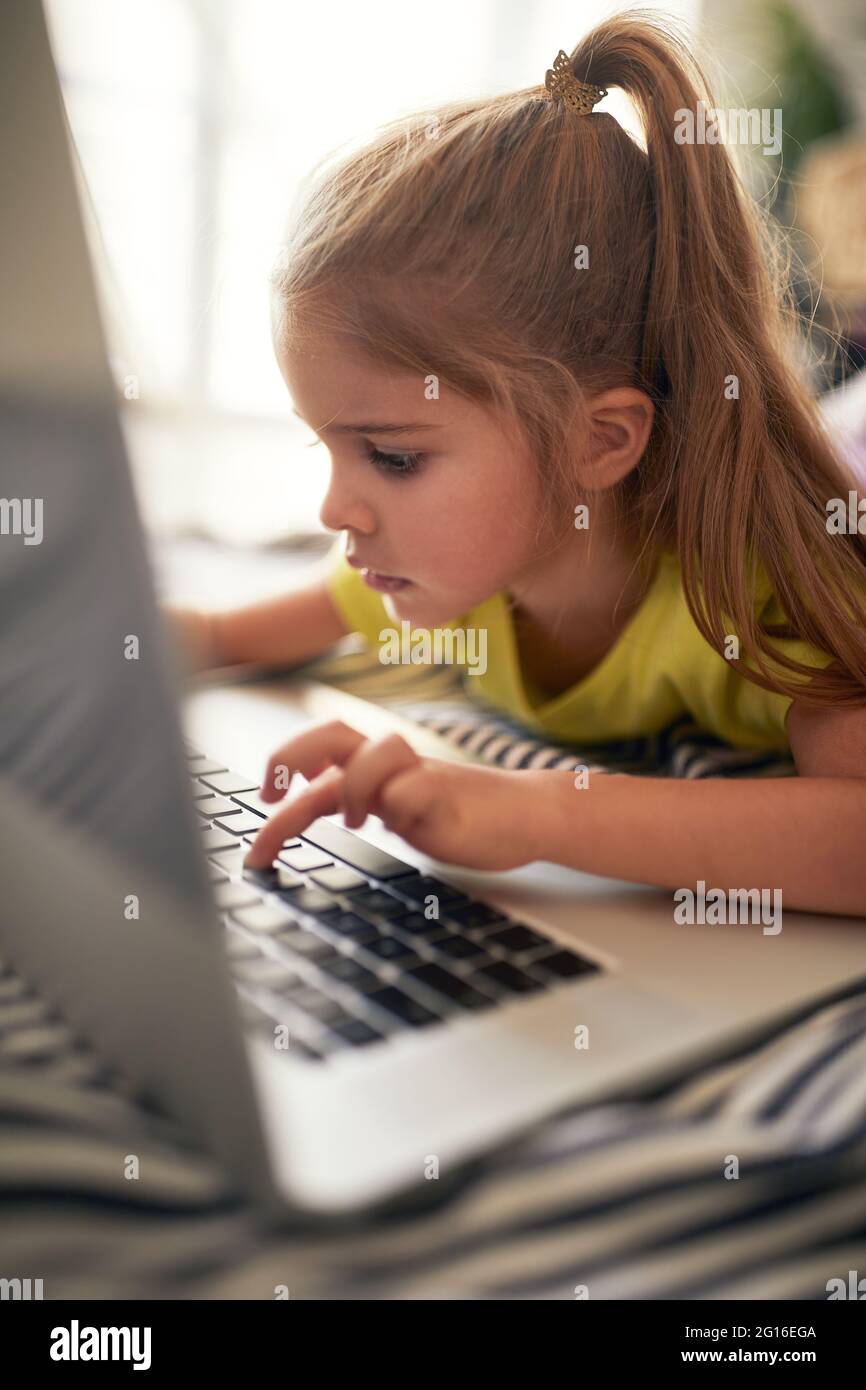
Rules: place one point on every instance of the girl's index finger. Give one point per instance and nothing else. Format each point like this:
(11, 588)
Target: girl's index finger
(321, 798)
(309, 753)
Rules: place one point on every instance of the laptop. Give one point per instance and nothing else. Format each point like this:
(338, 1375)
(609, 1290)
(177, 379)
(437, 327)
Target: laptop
(313, 1028)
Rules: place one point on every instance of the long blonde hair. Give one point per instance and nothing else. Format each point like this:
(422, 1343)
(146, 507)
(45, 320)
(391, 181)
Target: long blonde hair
(446, 246)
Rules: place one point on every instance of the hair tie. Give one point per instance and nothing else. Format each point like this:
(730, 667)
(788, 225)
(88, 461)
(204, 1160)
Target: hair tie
(563, 86)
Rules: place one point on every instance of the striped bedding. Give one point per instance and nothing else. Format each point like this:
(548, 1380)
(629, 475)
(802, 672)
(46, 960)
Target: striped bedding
(612, 1201)
(617, 1201)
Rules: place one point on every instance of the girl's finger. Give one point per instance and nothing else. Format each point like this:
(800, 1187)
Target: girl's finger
(321, 798)
(368, 770)
(406, 799)
(309, 753)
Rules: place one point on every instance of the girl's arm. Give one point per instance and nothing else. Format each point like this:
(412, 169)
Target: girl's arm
(279, 632)
(805, 835)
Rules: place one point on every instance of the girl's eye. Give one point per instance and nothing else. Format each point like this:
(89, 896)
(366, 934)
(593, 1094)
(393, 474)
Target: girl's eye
(394, 463)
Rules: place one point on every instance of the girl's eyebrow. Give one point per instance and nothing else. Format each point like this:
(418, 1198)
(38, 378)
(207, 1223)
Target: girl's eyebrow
(380, 428)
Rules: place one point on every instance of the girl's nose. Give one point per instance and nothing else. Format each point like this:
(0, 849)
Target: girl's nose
(343, 509)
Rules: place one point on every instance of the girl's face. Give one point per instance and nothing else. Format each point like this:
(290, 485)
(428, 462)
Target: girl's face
(441, 498)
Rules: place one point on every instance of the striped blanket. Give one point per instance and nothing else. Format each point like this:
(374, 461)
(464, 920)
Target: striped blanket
(618, 1201)
(632, 1200)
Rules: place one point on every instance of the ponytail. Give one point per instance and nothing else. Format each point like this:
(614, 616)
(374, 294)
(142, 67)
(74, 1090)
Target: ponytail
(739, 472)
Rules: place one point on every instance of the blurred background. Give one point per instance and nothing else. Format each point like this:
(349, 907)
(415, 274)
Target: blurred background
(195, 122)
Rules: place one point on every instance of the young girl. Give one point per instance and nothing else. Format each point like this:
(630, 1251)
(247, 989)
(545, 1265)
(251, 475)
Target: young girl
(557, 384)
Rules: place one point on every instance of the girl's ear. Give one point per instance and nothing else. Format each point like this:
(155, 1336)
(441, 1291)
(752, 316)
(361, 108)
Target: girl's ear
(620, 421)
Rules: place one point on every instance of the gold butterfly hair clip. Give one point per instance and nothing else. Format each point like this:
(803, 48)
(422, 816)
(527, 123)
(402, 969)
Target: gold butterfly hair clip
(563, 86)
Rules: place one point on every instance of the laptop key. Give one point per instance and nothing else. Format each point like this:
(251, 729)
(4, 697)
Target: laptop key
(216, 874)
(356, 1032)
(457, 947)
(287, 844)
(375, 901)
(349, 971)
(231, 862)
(287, 879)
(264, 917)
(305, 858)
(210, 806)
(307, 945)
(350, 925)
(200, 789)
(266, 879)
(200, 766)
(507, 977)
(308, 899)
(416, 924)
(12, 988)
(563, 965)
(227, 783)
(252, 801)
(36, 1044)
(474, 914)
(389, 948)
(369, 859)
(459, 991)
(516, 939)
(403, 1006)
(228, 895)
(216, 841)
(80, 1068)
(271, 974)
(338, 879)
(299, 1048)
(24, 1013)
(240, 947)
(422, 886)
(240, 822)
(313, 1002)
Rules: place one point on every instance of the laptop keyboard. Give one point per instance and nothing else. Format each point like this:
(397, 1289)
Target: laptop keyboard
(345, 944)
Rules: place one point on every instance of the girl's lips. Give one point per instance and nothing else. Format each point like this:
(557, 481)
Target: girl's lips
(384, 583)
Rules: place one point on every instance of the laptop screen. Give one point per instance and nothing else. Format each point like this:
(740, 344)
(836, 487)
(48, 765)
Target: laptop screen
(88, 724)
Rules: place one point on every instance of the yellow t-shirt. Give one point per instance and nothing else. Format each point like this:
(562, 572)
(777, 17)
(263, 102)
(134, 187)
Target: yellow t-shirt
(659, 668)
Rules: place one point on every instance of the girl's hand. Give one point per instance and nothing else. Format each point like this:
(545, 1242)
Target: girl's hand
(480, 817)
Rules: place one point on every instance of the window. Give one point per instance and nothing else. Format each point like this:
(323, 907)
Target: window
(194, 121)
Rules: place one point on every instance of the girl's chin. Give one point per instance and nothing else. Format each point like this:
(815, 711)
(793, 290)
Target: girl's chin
(406, 608)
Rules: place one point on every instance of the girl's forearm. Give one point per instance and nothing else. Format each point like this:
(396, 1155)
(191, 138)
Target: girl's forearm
(805, 836)
(282, 631)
